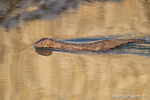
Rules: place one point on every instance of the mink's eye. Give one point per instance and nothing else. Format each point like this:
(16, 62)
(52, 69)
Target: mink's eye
(41, 42)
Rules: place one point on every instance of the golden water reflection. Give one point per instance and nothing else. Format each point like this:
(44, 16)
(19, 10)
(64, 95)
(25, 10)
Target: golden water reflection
(25, 75)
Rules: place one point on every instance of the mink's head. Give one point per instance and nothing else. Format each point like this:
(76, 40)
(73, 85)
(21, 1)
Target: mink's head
(44, 43)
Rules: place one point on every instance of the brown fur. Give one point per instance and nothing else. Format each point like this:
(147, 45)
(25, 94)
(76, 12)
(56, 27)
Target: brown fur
(102, 45)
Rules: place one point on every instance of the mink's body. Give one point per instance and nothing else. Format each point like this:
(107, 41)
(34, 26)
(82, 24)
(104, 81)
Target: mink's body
(102, 45)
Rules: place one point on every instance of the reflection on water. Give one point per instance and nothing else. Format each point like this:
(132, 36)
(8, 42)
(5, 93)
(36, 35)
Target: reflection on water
(12, 12)
(26, 75)
(15, 11)
(43, 52)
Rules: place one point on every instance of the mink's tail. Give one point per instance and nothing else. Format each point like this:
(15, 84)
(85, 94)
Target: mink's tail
(135, 46)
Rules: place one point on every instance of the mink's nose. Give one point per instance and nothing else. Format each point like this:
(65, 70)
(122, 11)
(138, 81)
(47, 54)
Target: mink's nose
(36, 45)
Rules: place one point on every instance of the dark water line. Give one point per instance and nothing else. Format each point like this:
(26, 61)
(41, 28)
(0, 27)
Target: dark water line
(97, 38)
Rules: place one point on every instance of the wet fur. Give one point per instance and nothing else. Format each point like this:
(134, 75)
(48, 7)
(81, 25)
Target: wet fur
(102, 45)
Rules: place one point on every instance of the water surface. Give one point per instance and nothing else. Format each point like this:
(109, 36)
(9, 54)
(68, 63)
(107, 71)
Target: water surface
(26, 75)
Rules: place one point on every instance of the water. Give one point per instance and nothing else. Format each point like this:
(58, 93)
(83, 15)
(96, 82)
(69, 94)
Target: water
(26, 75)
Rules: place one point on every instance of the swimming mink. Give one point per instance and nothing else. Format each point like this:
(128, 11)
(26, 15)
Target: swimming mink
(102, 45)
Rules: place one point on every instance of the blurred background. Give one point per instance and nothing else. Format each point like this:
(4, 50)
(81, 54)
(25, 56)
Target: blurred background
(25, 75)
